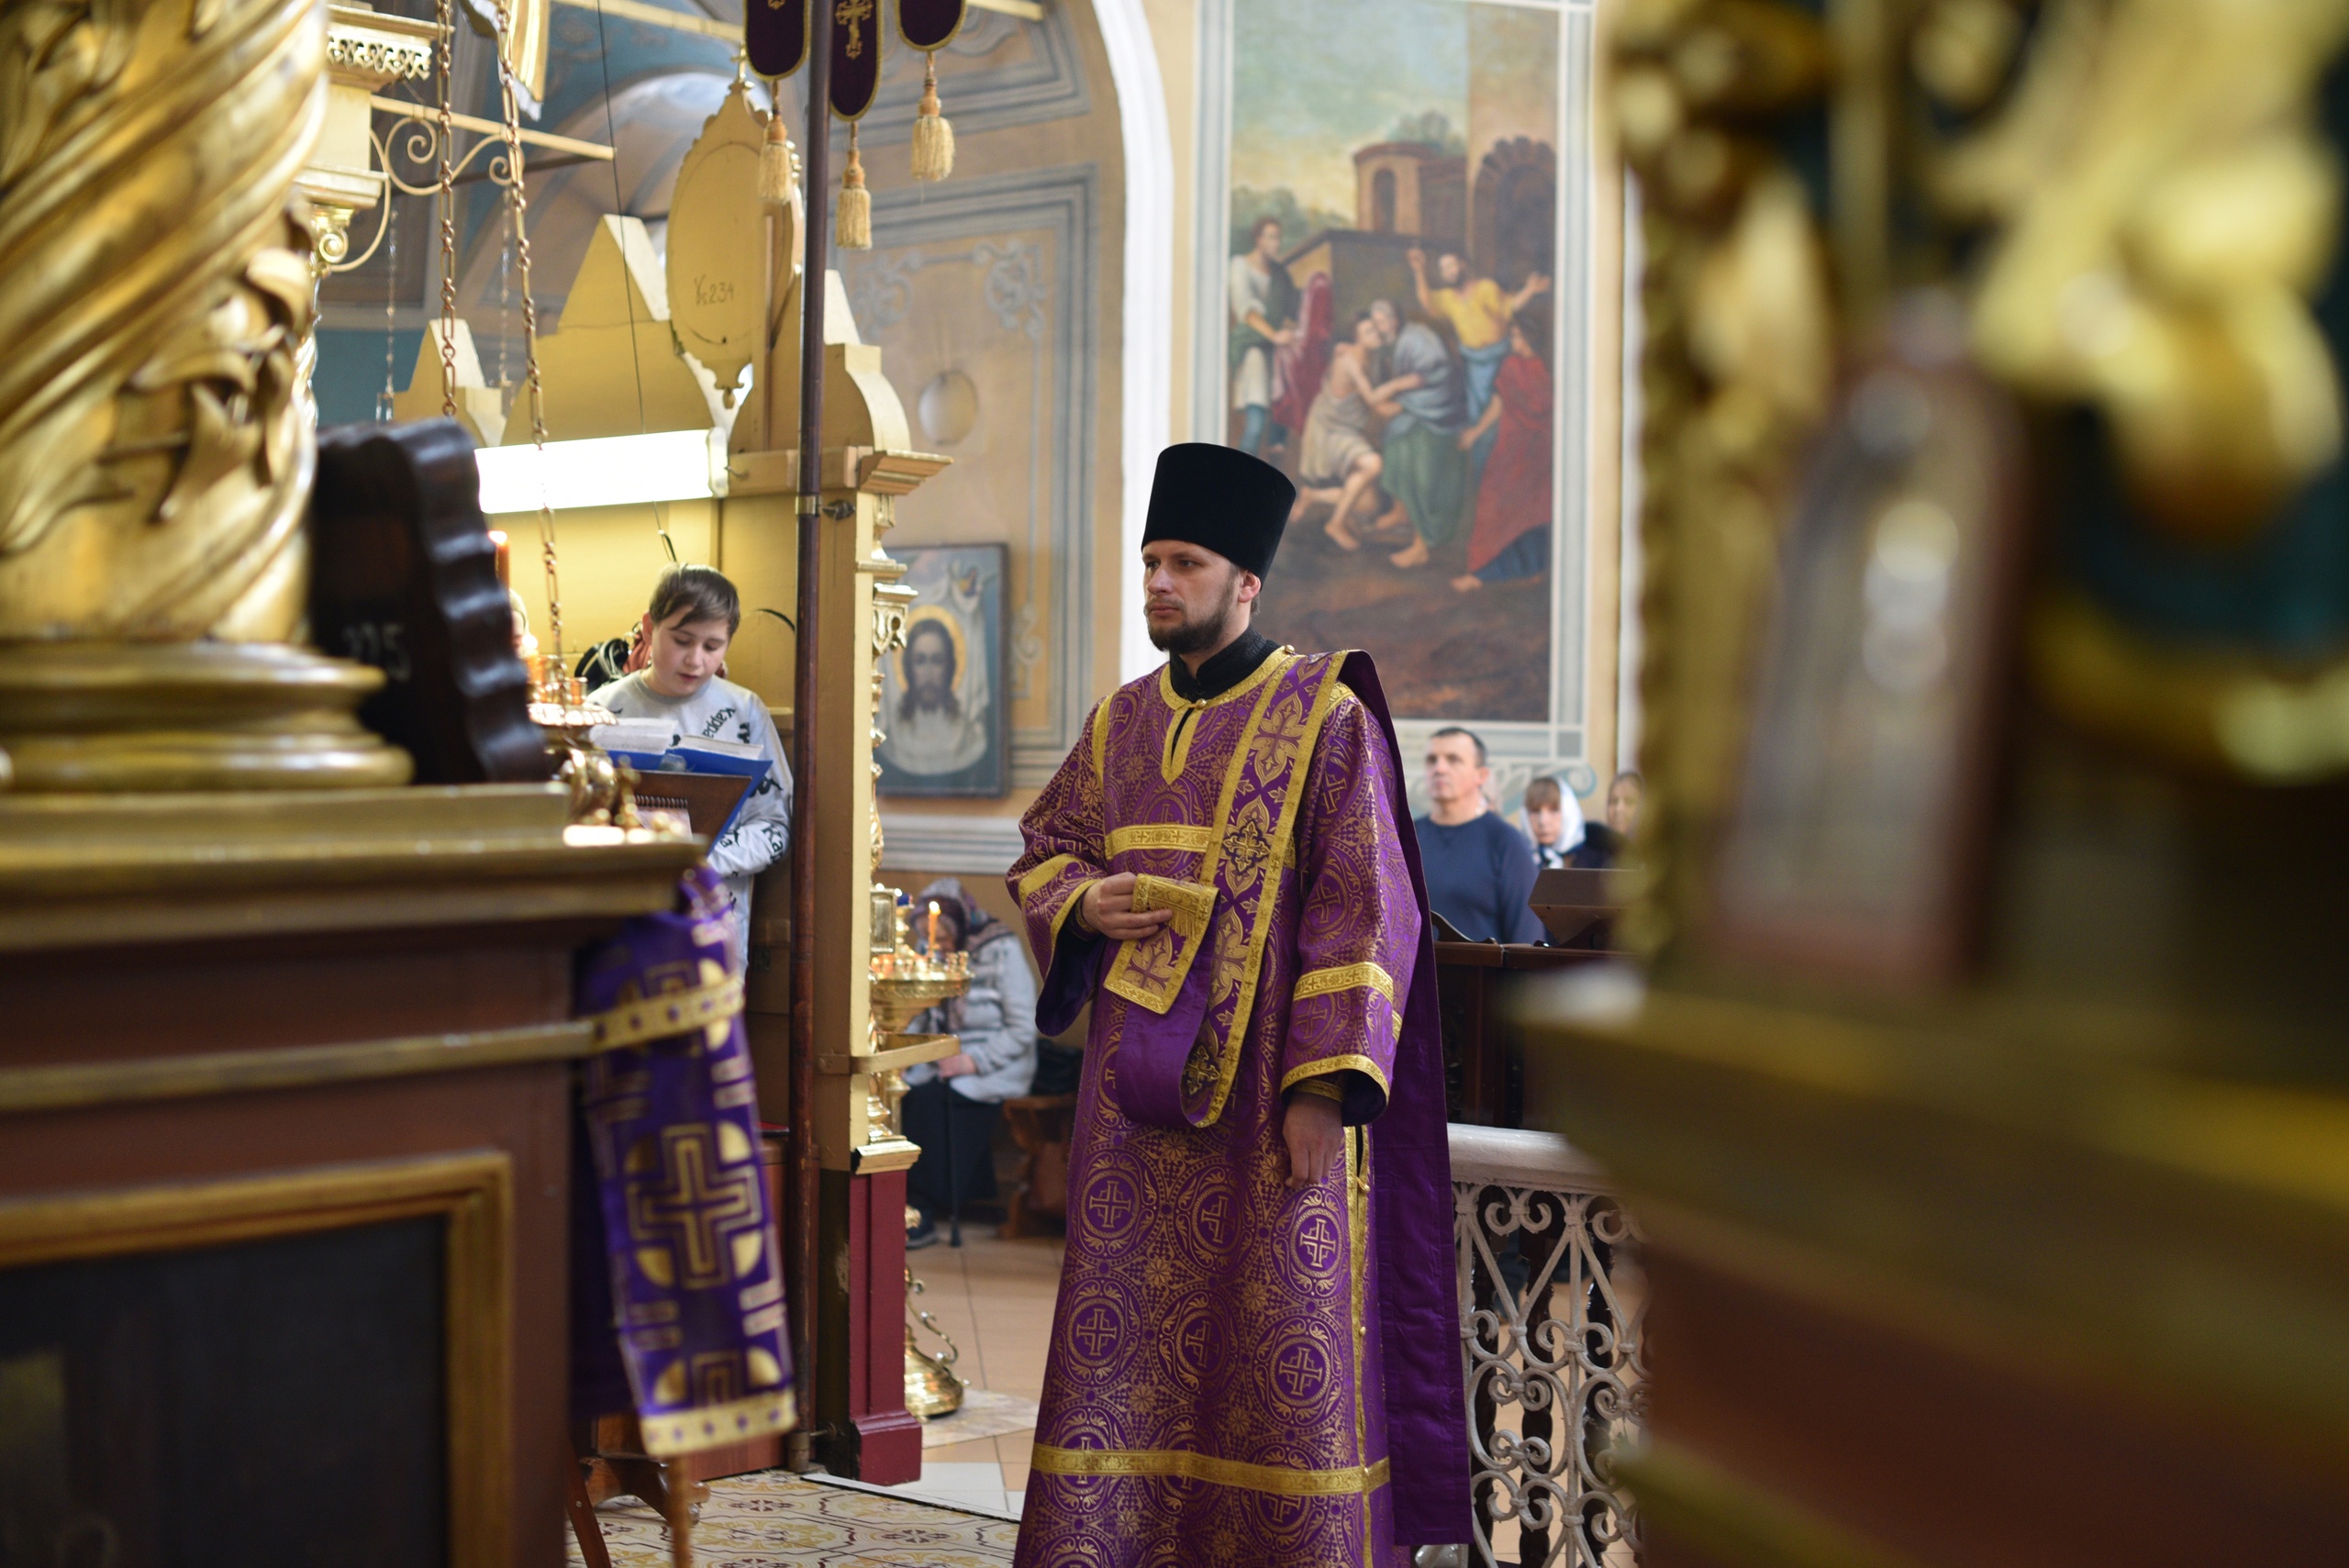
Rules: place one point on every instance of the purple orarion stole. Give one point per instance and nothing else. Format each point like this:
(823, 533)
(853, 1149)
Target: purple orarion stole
(1233, 1363)
(687, 1243)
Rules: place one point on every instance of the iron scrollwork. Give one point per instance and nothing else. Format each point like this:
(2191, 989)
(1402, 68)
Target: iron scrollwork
(1552, 1341)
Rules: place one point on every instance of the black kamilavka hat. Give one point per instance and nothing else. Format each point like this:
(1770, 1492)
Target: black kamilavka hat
(1220, 499)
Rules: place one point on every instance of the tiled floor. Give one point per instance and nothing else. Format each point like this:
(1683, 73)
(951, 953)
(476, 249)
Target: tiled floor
(994, 1299)
(776, 1520)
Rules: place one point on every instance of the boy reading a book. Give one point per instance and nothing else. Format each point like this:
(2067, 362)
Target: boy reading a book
(694, 614)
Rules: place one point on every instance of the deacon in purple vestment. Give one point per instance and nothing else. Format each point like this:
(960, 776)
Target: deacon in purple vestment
(1255, 1355)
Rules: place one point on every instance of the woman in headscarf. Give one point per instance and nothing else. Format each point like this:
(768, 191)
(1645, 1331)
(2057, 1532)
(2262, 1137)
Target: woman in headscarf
(953, 1105)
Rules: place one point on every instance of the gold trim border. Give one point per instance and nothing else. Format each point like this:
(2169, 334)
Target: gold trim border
(473, 1194)
(1068, 905)
(1181, 836)
(1182, 1463)
(1347, 977)
(1042, 874)
(670, 1013)
(69, 1085)
(760, 1415)
(1326, 697)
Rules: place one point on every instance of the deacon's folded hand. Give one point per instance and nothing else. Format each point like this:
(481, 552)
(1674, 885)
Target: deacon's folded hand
(1109, 909)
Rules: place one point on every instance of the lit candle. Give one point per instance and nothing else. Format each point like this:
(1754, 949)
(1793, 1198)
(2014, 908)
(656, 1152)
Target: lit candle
(934, 954)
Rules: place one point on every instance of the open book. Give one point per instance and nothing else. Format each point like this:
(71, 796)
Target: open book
(653, 747)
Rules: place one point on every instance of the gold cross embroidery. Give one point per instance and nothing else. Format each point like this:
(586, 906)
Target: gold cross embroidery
(852, 14)
(1152, 961)
(1298, 1373)
(696, 1207)
(1246, 849)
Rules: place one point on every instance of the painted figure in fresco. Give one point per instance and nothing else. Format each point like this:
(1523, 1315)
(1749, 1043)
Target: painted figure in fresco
(1511, 537)
(1300, 368)
(1255, 1308)
(1479, 314)
(1264, 321)
(1338, 465)
(933, 731)
(1426, 472)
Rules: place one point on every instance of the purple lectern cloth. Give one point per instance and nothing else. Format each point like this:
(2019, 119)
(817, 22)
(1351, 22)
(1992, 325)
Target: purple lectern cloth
(1231, 1364)
(686, 1246)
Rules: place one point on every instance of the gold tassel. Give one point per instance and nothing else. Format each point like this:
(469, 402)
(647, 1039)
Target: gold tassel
(933, 134)
(776, 175)
(856, 202)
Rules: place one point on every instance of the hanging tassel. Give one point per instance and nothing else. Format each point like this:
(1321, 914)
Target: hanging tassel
(856, 202)
(776, 175)
(933, 134)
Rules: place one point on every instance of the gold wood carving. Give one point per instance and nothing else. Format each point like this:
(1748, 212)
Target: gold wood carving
(1737, 363)
(156, 441)
(473, 1193)
(153, 459)
(718, 244)
(2169, 206)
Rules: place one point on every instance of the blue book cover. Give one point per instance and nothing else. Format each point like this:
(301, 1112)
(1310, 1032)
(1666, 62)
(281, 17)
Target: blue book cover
(694, 755)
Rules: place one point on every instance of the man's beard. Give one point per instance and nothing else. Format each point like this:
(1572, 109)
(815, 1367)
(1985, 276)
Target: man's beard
(1190, 635)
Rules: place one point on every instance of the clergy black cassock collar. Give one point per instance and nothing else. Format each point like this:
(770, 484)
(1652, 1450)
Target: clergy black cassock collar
(1224, 670)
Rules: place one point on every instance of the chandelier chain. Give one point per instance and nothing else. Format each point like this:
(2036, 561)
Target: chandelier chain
(521, 209)
(448, 216)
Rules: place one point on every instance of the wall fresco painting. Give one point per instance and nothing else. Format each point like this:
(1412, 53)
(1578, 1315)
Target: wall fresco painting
(1394, 180)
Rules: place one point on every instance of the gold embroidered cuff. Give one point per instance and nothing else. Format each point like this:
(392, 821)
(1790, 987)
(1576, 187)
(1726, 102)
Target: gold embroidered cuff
(1322, 1088)
(1321, 1067)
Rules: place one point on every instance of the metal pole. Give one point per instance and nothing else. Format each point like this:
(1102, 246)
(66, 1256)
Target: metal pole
(807, 1178)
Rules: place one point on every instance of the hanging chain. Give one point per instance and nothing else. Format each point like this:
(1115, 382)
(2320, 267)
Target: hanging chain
(448, 219)
(513, 124)
(505, 309)
(391, 304)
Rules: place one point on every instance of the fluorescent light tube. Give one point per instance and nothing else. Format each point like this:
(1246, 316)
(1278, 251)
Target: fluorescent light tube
(617, 471)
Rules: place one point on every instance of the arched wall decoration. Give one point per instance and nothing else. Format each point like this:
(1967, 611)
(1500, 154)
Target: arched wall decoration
(1517, 207)
(1148, 318)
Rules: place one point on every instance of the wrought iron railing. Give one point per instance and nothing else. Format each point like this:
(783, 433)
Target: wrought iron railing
(1553, 1354)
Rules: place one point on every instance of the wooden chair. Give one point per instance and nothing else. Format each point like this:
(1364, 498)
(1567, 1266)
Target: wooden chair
(1041, 1125)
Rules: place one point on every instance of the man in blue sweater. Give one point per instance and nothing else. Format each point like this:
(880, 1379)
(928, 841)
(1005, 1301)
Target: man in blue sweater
(1479, 869)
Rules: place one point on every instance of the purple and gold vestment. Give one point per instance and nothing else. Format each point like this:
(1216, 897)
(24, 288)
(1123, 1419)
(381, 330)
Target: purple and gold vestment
(679, 1285)
(1233, 1363)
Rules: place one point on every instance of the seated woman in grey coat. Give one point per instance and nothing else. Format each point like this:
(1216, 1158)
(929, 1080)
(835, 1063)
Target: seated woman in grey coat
(952, 1106)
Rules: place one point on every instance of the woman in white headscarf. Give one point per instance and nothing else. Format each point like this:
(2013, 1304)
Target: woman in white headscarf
(953, 1105)
(1553, 821)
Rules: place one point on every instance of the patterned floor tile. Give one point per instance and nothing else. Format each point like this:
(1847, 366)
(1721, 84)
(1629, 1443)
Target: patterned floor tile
(776, 1520)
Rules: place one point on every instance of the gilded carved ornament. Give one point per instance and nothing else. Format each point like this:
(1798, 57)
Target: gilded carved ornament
(155, 453)
(157, 442)
(1737, 366)
(2134, 199)
(2167, 206)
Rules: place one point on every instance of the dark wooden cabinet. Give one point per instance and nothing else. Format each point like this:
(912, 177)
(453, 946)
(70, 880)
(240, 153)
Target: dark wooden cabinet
(255, 1047)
